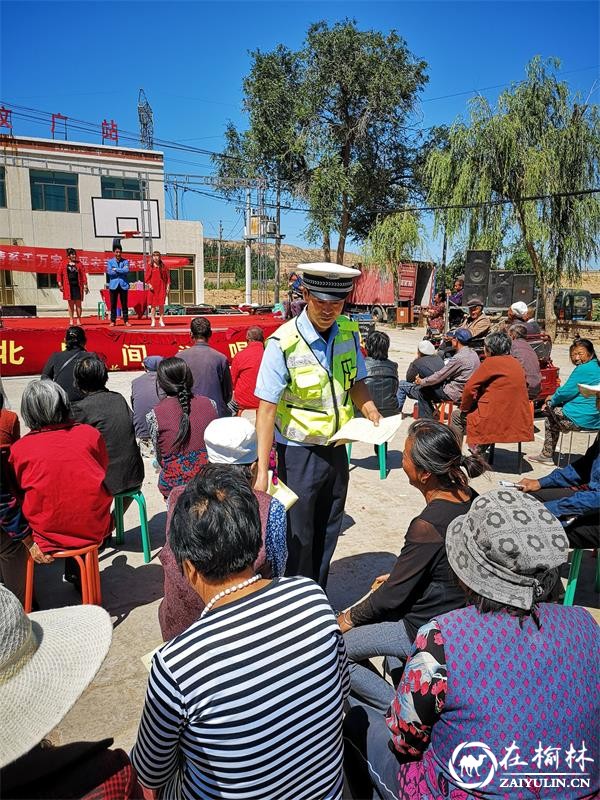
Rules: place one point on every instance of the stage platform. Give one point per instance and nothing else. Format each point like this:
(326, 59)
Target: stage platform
(26, 343)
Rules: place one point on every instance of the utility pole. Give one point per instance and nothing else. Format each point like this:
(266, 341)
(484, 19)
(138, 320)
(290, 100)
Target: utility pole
(176, 200)
(219, 254)
(277, 244)
(248, 241)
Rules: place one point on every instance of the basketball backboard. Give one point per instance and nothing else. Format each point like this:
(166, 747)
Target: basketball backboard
(113, 218)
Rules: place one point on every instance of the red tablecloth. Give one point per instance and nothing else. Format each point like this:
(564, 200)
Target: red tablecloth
(137, 299)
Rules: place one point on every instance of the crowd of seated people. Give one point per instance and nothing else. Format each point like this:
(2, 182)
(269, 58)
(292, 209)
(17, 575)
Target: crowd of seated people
(259, 691)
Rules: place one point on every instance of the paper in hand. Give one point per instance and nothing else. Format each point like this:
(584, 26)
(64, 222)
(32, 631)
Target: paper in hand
(360, 429)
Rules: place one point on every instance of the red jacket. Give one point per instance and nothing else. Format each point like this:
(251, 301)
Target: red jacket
(63, 280)
(497, 404)
(60, 474)
(244, 372)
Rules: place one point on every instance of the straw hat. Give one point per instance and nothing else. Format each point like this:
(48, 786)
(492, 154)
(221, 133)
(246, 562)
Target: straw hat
(46, 661)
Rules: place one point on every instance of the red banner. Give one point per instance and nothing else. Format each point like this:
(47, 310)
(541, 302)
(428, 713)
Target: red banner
(26, 345)
(49, 259)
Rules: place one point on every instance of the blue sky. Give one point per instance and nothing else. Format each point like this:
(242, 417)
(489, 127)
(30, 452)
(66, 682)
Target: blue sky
(88, 61)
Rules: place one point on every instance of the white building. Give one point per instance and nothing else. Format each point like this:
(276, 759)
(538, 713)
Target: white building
(46, 191)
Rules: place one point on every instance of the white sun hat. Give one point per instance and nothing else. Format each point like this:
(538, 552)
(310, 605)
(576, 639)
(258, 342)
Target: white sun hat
(587, 390)
(47, 659)
(231, 440)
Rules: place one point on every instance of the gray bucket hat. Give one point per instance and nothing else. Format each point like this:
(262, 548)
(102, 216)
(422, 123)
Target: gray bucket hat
(507, 548)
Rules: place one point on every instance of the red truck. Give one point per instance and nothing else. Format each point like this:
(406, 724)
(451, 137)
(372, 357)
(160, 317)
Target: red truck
(380, 295)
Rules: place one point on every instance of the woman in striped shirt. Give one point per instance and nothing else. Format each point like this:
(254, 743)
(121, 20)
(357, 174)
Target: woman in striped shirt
(247, 702)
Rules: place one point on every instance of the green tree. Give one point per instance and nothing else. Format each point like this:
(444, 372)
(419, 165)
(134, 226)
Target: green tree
(328, 123)
(539, 141)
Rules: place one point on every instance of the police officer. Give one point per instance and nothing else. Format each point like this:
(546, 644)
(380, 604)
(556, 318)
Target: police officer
(311, 374)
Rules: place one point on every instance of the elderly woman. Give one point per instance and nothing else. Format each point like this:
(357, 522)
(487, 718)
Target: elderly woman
(248, 701)
(231, 441)
(436, 313)
(109, 413)
(567, 409)
(177, 425)
(492, 688)
(382, 374)
(419, 585)
(60, 468)
(495, 401)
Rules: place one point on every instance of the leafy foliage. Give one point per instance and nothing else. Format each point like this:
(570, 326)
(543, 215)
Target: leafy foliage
(328, 122)
(393, 239)
(539, 141)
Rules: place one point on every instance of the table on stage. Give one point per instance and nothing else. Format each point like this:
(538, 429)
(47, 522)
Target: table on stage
(136, 299)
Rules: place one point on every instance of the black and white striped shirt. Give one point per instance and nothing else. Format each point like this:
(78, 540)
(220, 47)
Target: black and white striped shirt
(247, 702)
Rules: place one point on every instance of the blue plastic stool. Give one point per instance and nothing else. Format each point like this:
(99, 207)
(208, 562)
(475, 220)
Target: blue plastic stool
(381, 455)
(574, 575)
(137, 495)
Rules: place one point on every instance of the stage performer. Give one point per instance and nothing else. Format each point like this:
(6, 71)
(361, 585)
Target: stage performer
(157, 280)
(72, 281)
(311, 374)
(117, 268)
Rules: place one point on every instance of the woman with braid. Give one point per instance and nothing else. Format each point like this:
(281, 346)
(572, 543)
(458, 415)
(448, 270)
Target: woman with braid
(177, 425)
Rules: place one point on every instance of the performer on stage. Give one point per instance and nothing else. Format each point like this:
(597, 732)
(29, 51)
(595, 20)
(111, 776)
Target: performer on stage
(72, 281)
(157, 281)
(117, 268)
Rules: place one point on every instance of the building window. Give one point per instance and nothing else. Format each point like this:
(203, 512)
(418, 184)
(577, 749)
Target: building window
(2, 187)
(53, 191)
(120, 188)
(46, 280)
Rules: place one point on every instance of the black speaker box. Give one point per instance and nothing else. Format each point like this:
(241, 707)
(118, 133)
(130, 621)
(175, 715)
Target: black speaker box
(500, 289)
(477, 268)
(18, 311)
(474, 292)
(523, 288)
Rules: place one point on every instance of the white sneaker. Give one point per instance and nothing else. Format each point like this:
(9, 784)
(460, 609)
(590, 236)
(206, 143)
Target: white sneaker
(153, 324)
(161, 323)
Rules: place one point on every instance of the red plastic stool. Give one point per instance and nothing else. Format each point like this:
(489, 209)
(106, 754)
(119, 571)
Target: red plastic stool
(444, 409)
(89, 569)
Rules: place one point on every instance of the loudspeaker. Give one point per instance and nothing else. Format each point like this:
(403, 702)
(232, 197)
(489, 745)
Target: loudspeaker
(523, 288)
(500, 289)
(474, 292)
(477, 268)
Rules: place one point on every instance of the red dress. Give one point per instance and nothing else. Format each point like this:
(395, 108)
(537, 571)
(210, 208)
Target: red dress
(63, 280)
(158, 280)
(60, 473)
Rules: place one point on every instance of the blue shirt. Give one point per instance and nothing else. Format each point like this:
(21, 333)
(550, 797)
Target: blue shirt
(273, 376)
(116, 272)
(579, 409)
(583, 472)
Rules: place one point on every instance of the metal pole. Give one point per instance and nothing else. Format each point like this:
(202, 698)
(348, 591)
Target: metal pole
(277, 244)
(248, 254)
(219, 254)
(176, 200)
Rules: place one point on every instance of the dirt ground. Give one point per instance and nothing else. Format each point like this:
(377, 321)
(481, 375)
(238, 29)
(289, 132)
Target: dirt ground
(377, 515)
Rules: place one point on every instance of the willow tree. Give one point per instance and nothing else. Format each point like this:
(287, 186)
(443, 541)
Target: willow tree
(328, 122)
(538, 142)
(392, 240)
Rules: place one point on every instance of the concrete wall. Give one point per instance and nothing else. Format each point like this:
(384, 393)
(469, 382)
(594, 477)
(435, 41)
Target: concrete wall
(21, 225)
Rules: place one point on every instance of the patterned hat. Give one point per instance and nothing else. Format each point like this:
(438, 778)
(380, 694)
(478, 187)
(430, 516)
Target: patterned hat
(325, 281)
(507, 548)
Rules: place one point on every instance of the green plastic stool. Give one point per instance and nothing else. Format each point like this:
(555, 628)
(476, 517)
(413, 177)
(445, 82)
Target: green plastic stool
(102, 309)
(574, 575)
(137, 495)
(381, 455)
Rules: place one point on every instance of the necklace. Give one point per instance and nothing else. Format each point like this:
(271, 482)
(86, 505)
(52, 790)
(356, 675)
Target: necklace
(229, 590)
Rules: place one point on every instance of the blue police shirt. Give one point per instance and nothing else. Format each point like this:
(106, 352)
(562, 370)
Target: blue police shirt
(273, 376)
(116, 272)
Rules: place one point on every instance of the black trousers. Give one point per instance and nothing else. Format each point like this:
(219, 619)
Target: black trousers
(319, 476)
(429, 395)
(584, 531)
(123, 296)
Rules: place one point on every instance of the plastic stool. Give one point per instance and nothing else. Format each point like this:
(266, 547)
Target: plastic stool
(102, 309)
(590, 434)
(574, 575)
(89, 569)
(137, 495)
(444, 409)
(381, 455)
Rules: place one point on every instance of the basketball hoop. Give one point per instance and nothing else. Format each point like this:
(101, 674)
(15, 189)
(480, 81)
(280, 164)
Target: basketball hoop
(129, 234)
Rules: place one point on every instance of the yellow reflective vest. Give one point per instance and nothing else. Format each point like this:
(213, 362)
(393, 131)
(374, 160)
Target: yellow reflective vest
(315, 404)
